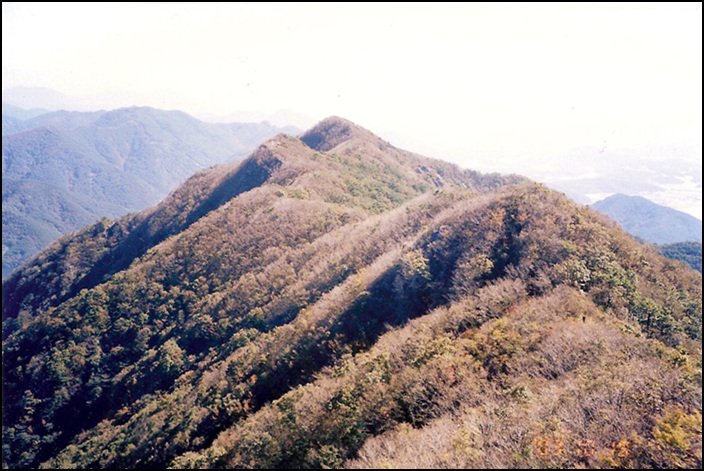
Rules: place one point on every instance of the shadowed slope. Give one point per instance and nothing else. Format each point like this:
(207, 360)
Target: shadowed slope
(308, 308)
(121, 160)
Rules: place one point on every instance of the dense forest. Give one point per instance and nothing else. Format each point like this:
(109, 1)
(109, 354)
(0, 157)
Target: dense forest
(688, 252)
(332, 301)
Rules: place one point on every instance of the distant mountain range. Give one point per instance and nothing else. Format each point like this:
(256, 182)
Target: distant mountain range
(332, 301)
(649, 221)
(62, 170)
(15, 113)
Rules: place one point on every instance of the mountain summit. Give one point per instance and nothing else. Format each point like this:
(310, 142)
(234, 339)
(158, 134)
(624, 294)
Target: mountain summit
(332, 301)
(652, 222)
(333, 131)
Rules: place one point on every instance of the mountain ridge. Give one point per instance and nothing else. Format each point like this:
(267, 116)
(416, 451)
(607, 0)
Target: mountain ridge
(652, 222)
(125, 160)
(280, 160)
(352, 306)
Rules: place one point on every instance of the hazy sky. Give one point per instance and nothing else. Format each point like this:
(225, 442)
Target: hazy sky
(494, 87)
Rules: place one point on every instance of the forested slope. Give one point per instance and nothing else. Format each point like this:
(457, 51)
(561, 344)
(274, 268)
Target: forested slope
(333, 301)
(63, 170)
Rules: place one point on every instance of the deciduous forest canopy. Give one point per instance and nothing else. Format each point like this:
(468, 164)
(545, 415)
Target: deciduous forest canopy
(332, 301)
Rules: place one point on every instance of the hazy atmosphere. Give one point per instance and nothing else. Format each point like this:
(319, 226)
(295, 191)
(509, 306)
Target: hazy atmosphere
(591, 99)
(352, 236)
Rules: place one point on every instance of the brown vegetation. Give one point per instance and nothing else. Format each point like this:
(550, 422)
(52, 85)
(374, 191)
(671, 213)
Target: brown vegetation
(360, 306)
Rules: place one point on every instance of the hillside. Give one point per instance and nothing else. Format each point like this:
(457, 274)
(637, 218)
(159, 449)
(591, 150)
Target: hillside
(649, 221)
(688, 252)
(332, 301)
(69, 169)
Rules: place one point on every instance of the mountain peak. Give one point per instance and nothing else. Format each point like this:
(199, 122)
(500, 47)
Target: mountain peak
(343, 301)
(650, 221)
(333, 131)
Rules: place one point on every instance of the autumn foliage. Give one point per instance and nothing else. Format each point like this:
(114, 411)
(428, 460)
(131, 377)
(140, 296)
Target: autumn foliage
(357, 306)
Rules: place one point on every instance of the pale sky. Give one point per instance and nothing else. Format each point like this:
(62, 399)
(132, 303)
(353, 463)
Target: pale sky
(507, 87)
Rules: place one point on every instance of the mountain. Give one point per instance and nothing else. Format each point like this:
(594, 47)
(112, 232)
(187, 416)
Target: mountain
(63, 170)
(650, 221)
(332, 301)
(43, 98)
(21, 114)
(678, 233)
(670, 175)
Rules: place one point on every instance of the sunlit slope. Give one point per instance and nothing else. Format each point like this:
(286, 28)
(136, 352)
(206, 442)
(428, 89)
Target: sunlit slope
(333, 301)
